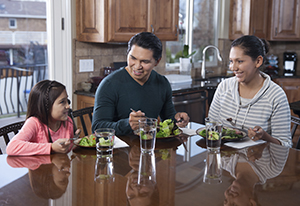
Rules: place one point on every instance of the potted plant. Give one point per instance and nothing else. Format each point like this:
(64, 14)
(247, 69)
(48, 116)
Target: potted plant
(184, 59)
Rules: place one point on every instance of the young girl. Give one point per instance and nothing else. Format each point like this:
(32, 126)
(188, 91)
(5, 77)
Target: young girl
(48, 127)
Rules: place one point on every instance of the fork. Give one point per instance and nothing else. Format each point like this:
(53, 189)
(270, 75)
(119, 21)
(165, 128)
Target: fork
(76, 136)
(233, 126)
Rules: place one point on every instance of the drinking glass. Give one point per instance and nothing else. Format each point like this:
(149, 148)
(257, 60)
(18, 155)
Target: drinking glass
(147, 169)
(213, 134)
(147, 133)
(213, 170)
(104, 169)
(105, 141)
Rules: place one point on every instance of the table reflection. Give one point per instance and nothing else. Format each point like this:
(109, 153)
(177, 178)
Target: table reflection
(48, 176)
(141, 187)
(249, 167)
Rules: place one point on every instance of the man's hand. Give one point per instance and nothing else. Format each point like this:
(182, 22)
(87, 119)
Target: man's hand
(134, 119)
(182, 119)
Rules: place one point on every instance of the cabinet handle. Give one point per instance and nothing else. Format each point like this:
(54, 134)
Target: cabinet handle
(253, 31)
(276, 31)
(152, 28)
(177, 30)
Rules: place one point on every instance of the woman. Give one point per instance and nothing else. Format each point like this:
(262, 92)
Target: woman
(250, 99)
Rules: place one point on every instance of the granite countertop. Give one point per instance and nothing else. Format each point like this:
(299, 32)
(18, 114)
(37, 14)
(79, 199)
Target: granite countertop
(176, 87)
(186, 86)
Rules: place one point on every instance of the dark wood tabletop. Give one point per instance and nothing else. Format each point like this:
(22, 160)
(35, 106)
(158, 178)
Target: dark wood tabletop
(265, 174)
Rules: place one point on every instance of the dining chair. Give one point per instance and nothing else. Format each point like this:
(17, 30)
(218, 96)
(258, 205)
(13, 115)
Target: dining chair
(11, 128)
(296, 122)
(84, 114)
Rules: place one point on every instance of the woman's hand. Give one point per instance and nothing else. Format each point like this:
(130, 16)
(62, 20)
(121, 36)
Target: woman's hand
(255, 152)
(134, 119)
(258, 133)
(61, 145)
(182, 119)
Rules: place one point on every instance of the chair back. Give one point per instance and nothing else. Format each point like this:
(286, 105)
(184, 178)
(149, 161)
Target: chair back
(85, 116)
(4, 131)
(296, 123)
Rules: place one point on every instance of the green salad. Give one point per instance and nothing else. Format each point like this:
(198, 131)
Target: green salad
(88, 141)
(227, 133)
(167, 128)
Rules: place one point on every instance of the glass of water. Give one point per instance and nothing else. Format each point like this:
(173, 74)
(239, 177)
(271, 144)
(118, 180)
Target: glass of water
(147, 133)
(105, 141)
(213, 134)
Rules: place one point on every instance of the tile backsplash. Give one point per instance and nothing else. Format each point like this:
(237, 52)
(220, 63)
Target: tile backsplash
(105, 54)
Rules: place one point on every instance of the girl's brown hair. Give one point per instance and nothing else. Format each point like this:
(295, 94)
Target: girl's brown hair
(41, 99)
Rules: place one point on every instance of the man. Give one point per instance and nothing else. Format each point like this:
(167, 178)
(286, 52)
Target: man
(132, 92)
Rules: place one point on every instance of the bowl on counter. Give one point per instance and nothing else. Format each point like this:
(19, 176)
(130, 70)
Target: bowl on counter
(86, 86)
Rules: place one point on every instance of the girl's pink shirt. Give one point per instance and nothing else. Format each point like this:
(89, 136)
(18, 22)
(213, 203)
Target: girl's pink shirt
(33, 139)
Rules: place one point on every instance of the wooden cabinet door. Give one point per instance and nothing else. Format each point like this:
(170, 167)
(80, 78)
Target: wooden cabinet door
(259, 18)
(285, 21)
(163, 17)
(90, 21)
(119, 20)
(126, 18)
(248, 17)
(291, 86)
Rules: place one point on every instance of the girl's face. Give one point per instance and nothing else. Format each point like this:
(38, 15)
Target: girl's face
(244, 68)
(60, 107)
(140, 63)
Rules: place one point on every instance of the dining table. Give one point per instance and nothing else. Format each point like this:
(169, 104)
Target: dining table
(258, 174)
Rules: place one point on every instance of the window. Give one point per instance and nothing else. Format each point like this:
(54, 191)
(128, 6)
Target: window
(198, 28)
(12, 23)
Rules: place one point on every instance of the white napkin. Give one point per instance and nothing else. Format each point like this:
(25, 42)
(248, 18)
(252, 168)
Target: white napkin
(246, 143)
(188, 131)
(119, 143)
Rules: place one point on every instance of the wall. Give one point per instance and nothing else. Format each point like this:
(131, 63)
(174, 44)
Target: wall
(104, 55)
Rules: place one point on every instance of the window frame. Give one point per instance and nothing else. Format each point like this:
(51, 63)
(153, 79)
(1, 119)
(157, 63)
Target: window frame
(9, 23)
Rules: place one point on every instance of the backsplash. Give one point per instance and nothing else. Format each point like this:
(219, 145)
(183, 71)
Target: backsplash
(105, 54)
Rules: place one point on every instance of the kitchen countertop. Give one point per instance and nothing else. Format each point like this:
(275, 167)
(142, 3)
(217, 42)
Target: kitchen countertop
(187, 85)
(176, 87)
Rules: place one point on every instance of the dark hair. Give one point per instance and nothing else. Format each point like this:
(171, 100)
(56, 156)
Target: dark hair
(41, 99)
(252, 46)
(42, 182)
(147, 40)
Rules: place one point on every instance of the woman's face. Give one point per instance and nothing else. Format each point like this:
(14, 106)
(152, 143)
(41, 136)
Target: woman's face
(60, 107)
(244, 68)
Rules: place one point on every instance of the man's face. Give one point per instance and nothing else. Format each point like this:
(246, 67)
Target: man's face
(140, 63)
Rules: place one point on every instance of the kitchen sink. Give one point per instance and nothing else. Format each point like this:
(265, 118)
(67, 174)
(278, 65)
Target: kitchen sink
(212, 81)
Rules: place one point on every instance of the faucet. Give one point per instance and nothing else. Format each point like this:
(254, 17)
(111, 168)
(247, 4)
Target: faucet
(203, 59)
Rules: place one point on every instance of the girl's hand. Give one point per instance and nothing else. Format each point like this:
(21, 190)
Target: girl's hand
(61, 145)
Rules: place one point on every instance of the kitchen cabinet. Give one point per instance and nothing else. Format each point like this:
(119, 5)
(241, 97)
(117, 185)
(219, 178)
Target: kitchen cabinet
(285, 20)
(248, 17)
(192, 102)
(118, 21)
(83, 102)
(274, 20)
(291, 87)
